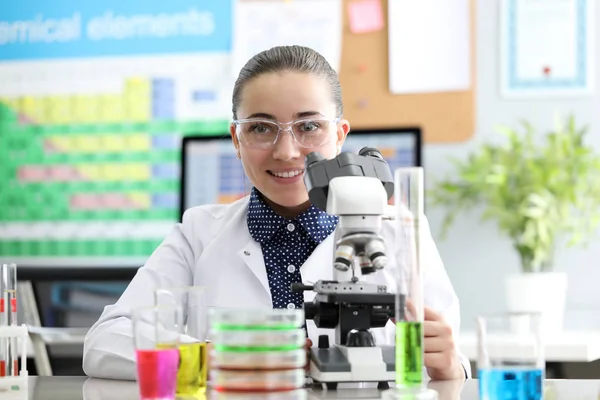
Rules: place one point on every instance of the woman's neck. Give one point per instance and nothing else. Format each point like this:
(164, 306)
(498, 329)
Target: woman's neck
(287, 212)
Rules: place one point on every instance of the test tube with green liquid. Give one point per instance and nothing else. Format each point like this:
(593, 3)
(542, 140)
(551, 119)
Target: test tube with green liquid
(409, 308)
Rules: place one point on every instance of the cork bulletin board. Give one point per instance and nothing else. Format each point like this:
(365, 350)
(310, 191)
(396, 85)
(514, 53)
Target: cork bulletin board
(443, 117)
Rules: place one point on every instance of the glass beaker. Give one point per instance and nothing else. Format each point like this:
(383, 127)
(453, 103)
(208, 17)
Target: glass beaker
(156, 332)
(510, 359)
(192, 374)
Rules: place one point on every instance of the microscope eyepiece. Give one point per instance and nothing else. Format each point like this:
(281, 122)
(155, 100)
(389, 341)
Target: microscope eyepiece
(312, 158)
(370, 152)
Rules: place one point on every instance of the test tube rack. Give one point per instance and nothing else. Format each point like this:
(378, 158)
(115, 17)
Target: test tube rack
(15, 387)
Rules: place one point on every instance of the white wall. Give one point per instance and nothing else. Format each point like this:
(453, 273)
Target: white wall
(476, 256)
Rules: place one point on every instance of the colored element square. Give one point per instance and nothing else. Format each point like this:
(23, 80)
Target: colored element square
(112, 108)
(33, 109)
(111, 172)
(113, 143)
(135, 172)
(138, 142)
(85, 108)
(137, 88)
(85, 143)
(140, 200)
(59, 109)
(365, 16)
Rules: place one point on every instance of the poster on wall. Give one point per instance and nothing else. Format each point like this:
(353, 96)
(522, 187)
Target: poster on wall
(547, 48)
(262, 24)
(94, 100)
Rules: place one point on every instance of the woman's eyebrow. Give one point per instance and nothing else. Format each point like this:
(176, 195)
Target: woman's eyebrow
(262, 115)
(302, 114)
(305, 114)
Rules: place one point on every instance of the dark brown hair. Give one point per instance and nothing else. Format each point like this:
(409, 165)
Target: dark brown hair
(288, 58)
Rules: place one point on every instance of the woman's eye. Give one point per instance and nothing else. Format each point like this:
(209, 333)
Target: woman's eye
(260, 128)
(309, 126)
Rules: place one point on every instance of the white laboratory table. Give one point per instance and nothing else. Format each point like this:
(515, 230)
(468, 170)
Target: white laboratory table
(76, 388)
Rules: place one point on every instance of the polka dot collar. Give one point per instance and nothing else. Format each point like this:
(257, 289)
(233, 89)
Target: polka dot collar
(263, 222)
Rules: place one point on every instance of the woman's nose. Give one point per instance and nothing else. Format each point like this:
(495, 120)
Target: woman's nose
(286, 147)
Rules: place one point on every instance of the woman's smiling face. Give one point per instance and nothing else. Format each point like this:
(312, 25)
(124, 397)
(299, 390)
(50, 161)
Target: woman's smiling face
(277, 169)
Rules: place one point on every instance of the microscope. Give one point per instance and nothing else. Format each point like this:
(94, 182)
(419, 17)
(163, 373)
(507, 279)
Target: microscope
(356, 188)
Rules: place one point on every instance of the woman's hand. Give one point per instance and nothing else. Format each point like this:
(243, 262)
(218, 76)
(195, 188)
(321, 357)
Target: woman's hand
(307, 346)
(441, 356)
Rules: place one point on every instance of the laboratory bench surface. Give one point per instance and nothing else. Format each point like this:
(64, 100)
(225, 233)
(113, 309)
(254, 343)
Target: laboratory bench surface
(76, 388)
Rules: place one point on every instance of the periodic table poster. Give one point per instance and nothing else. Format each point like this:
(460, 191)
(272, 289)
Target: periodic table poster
(94, 100)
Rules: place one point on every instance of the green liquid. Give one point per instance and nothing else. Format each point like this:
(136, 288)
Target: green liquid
(409, 353)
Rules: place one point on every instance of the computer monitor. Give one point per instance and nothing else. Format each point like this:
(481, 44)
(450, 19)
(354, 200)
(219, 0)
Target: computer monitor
(211, 172)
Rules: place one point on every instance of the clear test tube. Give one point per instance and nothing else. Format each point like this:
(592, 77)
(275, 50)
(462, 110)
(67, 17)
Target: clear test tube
(10, 302)
(409, 309)
(3, 320)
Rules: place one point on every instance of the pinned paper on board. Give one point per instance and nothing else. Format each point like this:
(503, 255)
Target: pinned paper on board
(365, 16)
(262, 24)
(429, 46)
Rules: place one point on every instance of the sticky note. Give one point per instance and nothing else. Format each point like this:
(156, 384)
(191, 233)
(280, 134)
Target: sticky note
(365, 16)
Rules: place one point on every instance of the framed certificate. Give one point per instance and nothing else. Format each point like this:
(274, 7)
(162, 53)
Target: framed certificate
(547, 47)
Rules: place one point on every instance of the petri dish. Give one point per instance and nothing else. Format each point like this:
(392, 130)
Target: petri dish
(266, 339)
(255, 319)
(266, 360)
(264, 381)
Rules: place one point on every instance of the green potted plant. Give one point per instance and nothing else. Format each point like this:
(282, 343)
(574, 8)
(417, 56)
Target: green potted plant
(541, 190)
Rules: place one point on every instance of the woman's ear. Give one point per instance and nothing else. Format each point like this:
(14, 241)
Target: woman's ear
(342, 132)
(235, 140)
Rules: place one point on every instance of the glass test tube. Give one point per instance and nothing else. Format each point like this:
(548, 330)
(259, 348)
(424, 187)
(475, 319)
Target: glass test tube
(3, 320)
(409, 309)
(10, 302)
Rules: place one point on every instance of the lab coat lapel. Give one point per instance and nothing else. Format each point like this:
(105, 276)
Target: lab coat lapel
(251, 254)
(319, 266)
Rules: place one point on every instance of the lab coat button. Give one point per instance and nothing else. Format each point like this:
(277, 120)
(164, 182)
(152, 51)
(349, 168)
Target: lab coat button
(291, 306)
(291, 227)
(291, 269)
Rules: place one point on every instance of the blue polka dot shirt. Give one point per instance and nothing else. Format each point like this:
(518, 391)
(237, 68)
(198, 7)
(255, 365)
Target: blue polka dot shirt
(286, 244)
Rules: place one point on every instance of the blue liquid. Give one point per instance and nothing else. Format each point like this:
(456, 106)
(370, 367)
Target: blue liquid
(510, 384)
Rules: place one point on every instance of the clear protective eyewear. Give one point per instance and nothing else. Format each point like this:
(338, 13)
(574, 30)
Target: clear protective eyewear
(264, 133)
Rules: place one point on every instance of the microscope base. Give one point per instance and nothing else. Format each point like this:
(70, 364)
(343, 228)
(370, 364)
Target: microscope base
(339, 364)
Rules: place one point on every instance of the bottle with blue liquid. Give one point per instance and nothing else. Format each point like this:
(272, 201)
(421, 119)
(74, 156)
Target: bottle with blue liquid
(510, 360)
(511, 384)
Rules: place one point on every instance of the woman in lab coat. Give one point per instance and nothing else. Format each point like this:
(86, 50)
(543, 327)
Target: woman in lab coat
(287, 102)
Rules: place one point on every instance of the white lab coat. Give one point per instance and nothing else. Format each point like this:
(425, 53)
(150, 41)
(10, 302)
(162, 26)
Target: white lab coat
(212, 247)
